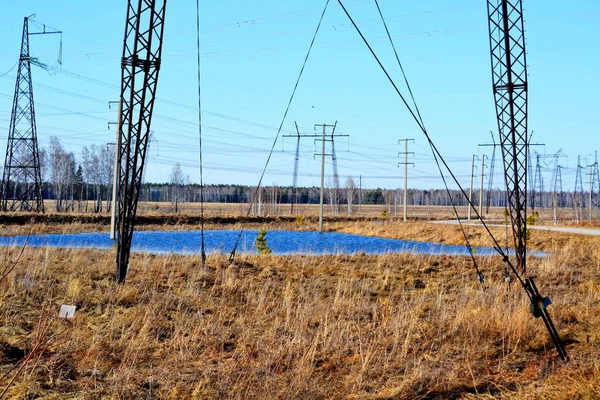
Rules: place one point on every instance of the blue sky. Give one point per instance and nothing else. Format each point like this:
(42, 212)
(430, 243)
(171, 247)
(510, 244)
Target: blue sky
(252, 53)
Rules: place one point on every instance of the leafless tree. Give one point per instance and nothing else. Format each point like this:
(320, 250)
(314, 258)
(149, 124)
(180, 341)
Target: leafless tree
(61, 167)
(178, 180)
(350, 189)
(92, 170)
(106, 163)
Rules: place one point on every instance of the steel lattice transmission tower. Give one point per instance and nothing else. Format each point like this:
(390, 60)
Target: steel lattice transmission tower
(22, 180)
(509, 75)
(139, 71)
(595, 189)
(578, 192)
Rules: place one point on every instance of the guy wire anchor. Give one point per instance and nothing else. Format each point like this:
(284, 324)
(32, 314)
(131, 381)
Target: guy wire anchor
(538, 308)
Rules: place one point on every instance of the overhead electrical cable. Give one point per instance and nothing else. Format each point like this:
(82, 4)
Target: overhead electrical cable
(399, 62)
(480, 276)
(202, 248)
(239, 236)
(497, 246)
(11, 68)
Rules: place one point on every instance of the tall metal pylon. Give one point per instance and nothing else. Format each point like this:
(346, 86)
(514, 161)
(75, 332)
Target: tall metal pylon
(558, 187)
(509, 76)
(140, 66)
(557, 192)
(22, 180)
(509, 79)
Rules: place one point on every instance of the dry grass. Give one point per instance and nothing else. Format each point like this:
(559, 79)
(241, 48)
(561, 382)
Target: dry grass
(415, 212)
(368, 327)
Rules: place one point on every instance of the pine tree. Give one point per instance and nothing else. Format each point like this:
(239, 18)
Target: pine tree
(261, 242)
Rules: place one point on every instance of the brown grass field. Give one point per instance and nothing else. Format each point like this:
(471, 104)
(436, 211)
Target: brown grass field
(307, 327)
(565, 215)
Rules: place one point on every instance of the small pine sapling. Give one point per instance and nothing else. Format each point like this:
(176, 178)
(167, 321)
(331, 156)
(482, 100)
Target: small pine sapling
(261, 242)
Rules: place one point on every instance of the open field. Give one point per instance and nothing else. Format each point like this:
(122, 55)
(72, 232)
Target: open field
(425, 212)
(372, 327)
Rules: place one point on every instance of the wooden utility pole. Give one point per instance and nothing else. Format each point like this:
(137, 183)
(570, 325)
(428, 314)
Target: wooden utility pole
(406, 153)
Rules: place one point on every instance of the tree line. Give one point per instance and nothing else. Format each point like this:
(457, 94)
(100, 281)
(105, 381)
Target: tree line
(83, 183)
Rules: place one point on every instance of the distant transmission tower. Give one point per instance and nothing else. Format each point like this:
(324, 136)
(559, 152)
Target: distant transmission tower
(538, 182)
(557, 192)
(491, 177)
(595, 183)
(578, 192)
(336, 195)
(22, 179)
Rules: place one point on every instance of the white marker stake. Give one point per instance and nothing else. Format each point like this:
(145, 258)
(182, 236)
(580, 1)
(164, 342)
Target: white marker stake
(67, 312)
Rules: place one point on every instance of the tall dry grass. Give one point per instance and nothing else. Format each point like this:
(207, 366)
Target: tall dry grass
(375, 327)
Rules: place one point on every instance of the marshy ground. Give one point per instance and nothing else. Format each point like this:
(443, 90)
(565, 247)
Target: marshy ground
(360, 327)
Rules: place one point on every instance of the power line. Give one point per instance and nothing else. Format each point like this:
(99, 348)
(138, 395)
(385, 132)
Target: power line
(232, 254)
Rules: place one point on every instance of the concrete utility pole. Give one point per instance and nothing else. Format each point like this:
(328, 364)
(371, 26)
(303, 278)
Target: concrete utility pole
(359, 193)
(322, 180)
(471, 188)
(406, 153)
(259, 210)
(116, 169)
(481, 187)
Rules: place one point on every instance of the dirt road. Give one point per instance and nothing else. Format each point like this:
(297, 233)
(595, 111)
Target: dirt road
(565, 229)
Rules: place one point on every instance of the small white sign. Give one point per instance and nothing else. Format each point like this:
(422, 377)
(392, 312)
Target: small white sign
(67, 311)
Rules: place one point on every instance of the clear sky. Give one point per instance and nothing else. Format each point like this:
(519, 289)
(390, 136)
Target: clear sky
(252, 52)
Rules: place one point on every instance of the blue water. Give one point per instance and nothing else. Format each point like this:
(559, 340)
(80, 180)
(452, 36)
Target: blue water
(222, 241)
